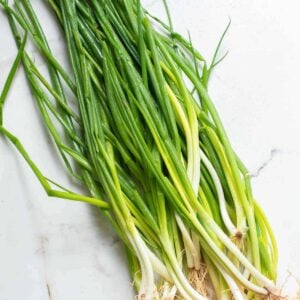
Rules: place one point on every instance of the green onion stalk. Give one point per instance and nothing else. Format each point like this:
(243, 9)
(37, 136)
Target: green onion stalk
(135, 125)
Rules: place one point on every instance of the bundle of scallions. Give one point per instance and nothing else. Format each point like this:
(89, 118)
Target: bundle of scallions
(133, 122)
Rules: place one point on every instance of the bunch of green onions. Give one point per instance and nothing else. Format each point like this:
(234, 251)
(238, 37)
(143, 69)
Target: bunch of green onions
(134, 123)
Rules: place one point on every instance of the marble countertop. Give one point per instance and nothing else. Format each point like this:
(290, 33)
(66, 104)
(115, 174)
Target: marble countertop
(62, 250)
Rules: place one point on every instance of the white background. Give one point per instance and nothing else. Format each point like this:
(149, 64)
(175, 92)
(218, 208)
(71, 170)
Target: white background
(67, 248)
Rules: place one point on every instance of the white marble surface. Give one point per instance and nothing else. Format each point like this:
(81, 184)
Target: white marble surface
(60, 250)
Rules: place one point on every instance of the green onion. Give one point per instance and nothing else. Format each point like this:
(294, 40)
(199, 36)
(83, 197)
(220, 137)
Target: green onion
(152, 152)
